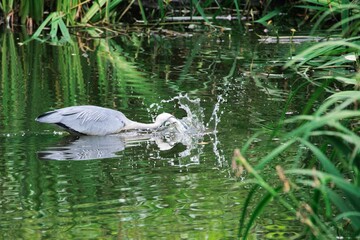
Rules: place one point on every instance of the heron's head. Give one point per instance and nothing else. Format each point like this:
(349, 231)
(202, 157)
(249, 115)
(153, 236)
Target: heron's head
(164, 117)
(168, 118)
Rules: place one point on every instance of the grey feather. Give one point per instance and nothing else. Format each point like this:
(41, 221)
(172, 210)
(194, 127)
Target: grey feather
(94, 120)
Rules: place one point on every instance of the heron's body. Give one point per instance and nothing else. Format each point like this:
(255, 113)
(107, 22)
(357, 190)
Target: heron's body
(93, 120)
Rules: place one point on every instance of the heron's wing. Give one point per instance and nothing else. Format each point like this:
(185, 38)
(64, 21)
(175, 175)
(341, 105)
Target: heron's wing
(89, 120)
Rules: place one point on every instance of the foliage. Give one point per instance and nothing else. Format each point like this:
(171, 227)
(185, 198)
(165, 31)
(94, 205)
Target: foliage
(106, 11)
(83, 13)
(322, 188)
(326, 142)
(56, 22)
(330, 176)
(77, 12)
(76, 83)
(334, 54)
(344, 16)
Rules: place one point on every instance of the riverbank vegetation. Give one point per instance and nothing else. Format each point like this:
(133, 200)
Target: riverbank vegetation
(322, 189)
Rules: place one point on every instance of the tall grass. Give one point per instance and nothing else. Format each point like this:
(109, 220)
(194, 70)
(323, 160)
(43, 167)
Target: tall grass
(326, 142)
(106, 11)
(71, 9)
(342, 16)
(58, 16)
(7, 7)
(329, 54)
(329, 141)
(322, 188)
(77, 12)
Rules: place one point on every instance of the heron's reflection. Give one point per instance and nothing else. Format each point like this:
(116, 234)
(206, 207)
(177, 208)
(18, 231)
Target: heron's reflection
(101, 147)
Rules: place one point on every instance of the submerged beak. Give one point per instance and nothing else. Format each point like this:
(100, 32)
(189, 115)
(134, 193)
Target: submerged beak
(178, 124)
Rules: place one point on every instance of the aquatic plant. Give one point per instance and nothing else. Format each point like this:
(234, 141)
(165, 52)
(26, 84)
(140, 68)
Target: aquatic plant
(321, 189)
(339, 15)
(325, 149)
(84, 12)
(81, 12)
(332, 54)
(341, 50)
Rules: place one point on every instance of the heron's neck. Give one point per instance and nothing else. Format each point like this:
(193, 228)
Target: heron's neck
(142, 126)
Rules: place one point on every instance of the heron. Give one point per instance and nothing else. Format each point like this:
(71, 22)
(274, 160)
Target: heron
(100, 121)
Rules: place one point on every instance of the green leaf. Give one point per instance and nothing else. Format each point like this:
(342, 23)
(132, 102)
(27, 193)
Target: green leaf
(267, 17)
(325, 162)
(273, 154)
(96, 7)
(245, 207)
(64, 31)
(257, 211)
(201, 11)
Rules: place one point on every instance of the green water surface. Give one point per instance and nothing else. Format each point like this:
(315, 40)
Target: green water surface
(138, 191)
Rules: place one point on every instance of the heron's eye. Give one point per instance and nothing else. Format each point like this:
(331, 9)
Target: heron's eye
(166, 123)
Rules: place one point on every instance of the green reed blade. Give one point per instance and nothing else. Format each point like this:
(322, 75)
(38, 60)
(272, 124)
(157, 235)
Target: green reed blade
(54, 26)
(64, 31)
(111, 6)
(326, 177)
(325, 162)
(246, 205)
(348, 214)
(267, 17)
(161, 8)
(96, 7)
(325, 3)
(344, 16)
(238, 13)
(200, 10)
(344, 207)
(273, 154)
(142, 11)
(319, 49)
(257, 211)
(344, 23)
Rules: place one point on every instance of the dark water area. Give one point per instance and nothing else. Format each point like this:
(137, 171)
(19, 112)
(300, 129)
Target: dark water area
(58, 187)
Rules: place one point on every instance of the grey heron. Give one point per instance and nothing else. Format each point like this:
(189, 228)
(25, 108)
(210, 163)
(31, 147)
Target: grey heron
(94, 120)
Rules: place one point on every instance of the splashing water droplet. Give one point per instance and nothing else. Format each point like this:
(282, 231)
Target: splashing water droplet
(193, 121)
(195, 127)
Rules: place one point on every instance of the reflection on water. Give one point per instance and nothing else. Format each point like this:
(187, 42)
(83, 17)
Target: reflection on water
(160, 185)
(84, 148)
(101, 147)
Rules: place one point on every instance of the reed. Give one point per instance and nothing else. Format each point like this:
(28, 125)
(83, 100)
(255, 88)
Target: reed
(331, 175)
(326, 141)
(7, 8)
(341, 16)
(78, 12)
(334, 54)
(71, 9)
(57, 24)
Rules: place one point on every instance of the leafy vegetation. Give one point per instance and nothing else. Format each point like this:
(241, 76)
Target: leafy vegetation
(107, 11)
(322, 189)
(327, 142)
(324, 142)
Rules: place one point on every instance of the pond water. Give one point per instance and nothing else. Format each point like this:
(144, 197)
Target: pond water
(56, 186)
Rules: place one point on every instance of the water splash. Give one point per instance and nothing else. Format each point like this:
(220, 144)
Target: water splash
(183, 146)
(215, 120)
(194, 119)
(192, 132)
(216, 114)
(195, 127)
